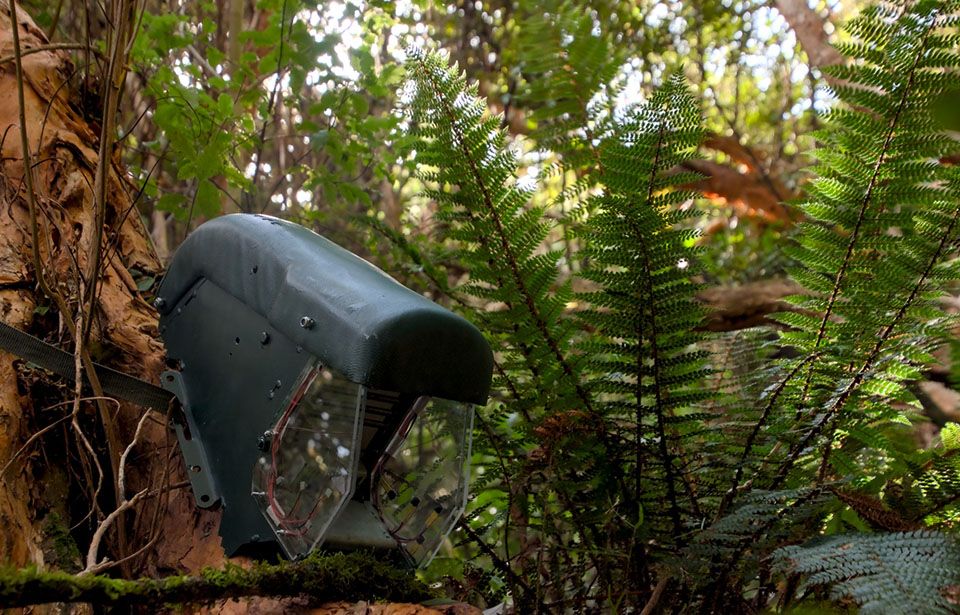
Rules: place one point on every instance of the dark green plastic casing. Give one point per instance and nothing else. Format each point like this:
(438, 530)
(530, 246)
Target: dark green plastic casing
(246, 304)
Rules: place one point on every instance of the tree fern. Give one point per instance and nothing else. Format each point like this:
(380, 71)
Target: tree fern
(877, 250)
(497, 235)
(617, 446)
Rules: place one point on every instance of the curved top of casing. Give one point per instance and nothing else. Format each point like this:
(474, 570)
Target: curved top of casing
(355, 318)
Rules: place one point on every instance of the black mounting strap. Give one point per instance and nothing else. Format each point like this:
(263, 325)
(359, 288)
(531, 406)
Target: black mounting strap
(60, 362)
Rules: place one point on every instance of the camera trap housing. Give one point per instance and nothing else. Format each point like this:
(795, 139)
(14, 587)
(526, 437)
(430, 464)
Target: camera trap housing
(323, 402)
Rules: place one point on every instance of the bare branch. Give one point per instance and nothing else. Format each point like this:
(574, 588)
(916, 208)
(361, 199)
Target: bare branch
(810, 29)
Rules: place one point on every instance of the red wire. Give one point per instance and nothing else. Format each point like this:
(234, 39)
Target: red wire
(283, 518)
(295, 526)
(378, 471)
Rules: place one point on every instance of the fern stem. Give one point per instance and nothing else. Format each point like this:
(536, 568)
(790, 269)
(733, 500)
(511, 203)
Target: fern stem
(497, 561)
(666, 458)
(751, 439)
(655, 598)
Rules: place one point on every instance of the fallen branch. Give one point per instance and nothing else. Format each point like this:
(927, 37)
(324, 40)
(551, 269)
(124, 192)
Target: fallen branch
(731, 308)
(320, 578)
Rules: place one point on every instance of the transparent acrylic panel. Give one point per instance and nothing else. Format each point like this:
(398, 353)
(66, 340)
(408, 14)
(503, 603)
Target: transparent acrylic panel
(309, 470)
(419, 486)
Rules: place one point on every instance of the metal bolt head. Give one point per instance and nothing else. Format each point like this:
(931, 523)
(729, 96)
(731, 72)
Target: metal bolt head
(263, 441)
(264, 338)
(159, 303)
(307, 323)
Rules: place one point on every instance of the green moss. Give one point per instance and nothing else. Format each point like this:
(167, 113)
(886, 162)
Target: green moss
(319, 578)
(61, 543)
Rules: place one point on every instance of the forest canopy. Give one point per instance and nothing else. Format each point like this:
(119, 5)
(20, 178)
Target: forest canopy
(713, 246)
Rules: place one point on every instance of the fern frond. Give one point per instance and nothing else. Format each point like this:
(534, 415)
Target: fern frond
(911, 572)
(760, 521)
(643, 313)
(883, 219)
(498, 235)
(567, 60)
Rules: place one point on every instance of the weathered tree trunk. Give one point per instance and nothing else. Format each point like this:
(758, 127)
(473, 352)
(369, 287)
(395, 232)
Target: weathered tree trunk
(63, 147)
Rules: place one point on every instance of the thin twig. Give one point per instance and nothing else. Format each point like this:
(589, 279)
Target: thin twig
(36, 436)
(55, 21)
(32, 50)
(123, 503)
(655, 598)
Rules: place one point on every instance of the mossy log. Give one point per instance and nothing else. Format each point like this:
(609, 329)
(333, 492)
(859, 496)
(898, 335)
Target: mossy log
(319, 578)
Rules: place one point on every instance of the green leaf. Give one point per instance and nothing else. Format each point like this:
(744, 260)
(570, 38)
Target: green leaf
(170, 201)
(207, 200)
(145, 283)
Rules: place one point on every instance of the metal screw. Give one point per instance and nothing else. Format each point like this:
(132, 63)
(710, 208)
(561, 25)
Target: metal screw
(264, 338)
(159, 303)
(263, 442)
(307, 323)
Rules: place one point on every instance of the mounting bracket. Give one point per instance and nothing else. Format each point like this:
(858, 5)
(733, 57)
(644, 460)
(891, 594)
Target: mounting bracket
(205, 491)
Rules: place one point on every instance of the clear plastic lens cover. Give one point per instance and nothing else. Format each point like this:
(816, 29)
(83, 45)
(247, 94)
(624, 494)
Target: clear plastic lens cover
(308, 472)
(419, 486)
